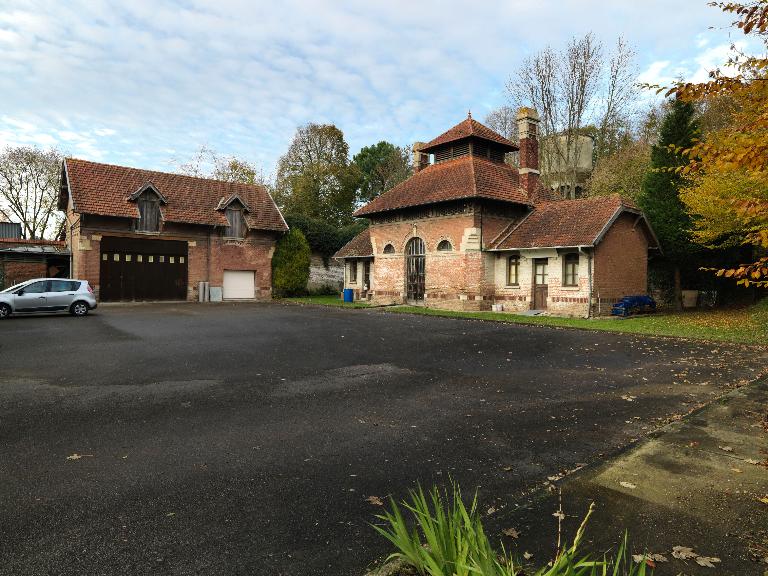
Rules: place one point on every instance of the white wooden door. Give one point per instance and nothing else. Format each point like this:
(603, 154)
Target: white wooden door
(239, 284)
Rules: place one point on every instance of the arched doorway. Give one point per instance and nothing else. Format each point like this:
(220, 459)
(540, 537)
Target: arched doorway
(414, 269)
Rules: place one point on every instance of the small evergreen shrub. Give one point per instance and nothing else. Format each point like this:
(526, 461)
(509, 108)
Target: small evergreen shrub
(290, 265)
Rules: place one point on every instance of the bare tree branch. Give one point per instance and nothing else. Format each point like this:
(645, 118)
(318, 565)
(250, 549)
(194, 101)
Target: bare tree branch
(29, 180)
(578, 92)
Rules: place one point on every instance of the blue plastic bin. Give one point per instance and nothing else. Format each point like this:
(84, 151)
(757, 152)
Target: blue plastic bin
(349, 295)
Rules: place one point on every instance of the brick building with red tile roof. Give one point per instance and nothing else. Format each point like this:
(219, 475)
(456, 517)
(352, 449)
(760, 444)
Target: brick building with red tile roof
(467, 231)
(145, 235)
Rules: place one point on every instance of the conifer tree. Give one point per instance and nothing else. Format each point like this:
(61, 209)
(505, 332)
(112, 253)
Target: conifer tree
(660, 194)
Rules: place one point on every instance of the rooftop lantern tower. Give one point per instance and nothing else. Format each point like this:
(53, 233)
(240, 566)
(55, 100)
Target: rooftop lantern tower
(469, 138)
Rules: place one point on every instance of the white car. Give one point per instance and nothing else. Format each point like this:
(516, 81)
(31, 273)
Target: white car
(48, 295)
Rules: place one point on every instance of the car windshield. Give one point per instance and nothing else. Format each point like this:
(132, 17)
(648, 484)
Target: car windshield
(14, 287)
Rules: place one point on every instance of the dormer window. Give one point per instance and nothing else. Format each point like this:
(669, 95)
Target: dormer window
(149, 212)
(148, 200)
(234, 209)
(236, 222)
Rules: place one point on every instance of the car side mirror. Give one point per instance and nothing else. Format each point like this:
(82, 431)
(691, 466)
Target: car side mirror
(20, 292)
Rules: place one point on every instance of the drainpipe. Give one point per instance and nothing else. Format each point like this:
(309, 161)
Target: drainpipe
(589, 281)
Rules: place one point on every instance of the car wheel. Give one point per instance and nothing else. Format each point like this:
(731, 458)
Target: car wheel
(5, 311)
(78, 309)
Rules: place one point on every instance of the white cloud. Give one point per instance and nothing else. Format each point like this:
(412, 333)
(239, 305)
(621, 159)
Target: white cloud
(694, 69)
(130, 81)
(655, 73)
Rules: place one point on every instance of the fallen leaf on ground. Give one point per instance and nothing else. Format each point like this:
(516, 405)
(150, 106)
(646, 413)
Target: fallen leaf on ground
(726, 448)
(375, 500)
(490, 510)
(511, 532)
(764, 499)
(707, 561)
(628, 485)
(752, 461)
(527, 555)
(658, 558)
(736, 470)
(683, 552)
(559, 515)
(629, 398)
(77, 456)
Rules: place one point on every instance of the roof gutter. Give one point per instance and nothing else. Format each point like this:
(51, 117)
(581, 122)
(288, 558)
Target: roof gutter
(577, 246)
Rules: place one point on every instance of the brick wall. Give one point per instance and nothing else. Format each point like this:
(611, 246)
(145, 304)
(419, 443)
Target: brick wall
(15, 271)
(468, 279)
(458, 279)
(561, 300)
(621, 263)
(209, 253)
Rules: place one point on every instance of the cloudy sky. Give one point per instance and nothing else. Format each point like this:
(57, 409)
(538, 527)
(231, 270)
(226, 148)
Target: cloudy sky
(143, 82)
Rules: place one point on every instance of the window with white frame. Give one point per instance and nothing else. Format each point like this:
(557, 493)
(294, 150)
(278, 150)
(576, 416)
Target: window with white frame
(513, 270)
(571, 269)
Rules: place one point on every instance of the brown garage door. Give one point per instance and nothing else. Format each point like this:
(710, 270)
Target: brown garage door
(138, 269)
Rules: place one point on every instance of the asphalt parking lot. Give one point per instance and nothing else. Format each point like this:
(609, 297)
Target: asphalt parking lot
(246, 438)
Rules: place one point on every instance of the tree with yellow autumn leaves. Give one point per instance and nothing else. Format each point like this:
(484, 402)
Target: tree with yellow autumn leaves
(726, 173)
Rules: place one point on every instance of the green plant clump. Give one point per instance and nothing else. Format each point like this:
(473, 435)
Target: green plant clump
(447, 539)
(290, 265)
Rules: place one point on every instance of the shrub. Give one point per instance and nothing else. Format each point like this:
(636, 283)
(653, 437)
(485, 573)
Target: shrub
(448, 539)
(290, 265)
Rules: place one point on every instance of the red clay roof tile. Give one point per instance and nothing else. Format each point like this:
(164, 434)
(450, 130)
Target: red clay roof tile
(464, 177)
(465, 129)
(26, 242)
(105, 189)
(566, 223)
(359, 247)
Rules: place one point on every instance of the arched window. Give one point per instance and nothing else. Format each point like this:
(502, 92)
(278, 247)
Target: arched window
(149, 212)
(415, 272)
(444, 246)
(389, 249)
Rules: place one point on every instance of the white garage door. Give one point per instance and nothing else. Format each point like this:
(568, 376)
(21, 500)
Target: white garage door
(239, 284)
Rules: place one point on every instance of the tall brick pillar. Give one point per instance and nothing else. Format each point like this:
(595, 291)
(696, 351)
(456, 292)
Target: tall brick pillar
(527, 127)
(420, 159)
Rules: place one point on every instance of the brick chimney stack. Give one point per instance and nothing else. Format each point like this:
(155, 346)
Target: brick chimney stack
(420, 160)
(527, 127)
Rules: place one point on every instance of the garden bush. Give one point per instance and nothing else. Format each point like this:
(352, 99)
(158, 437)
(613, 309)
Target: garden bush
(290, 265)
